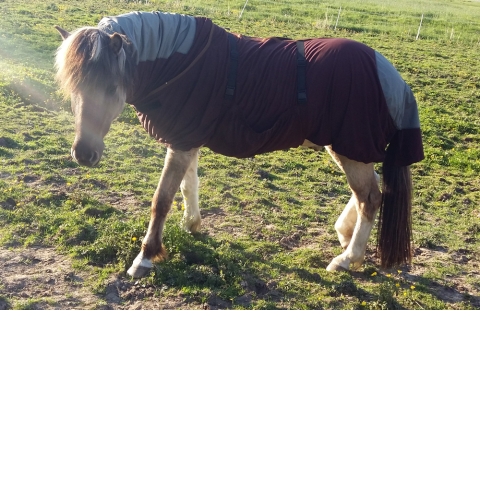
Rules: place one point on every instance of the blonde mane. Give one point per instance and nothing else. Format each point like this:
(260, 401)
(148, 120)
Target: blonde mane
(85, 59)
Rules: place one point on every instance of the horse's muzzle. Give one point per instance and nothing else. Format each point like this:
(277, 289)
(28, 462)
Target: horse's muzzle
(85, 155)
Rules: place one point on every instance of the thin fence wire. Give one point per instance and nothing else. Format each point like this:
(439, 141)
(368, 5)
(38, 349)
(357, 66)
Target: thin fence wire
(299, 8)
(438, 21)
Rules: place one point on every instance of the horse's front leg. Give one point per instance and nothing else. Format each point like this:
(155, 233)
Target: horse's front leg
(189, 187)
(177, 163)
(362, 208)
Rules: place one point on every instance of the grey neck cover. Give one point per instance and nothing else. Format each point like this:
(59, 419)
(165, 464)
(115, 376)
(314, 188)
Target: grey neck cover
(154, 35)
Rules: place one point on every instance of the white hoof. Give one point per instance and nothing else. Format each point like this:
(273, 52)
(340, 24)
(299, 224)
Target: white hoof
(192, 224)
(338, 265)
(141, 267)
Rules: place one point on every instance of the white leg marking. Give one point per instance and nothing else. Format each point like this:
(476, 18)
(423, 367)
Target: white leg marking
(354, 254)
(140, 266)
(345, 223)
(365, 199)
(189, 187)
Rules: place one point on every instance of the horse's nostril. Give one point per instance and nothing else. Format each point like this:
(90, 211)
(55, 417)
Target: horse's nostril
(95, 158)
(84, 155)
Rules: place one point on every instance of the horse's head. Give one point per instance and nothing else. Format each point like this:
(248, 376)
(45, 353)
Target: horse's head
(93, 70)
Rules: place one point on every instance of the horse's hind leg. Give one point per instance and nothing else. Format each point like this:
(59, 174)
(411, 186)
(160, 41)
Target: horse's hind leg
(345, 223)
(356, 221)
(176, 166)
(189, 187)
(347, 220)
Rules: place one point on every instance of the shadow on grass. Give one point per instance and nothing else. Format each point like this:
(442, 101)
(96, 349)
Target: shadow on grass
(5, 303)
(445, 293)
(226, 275)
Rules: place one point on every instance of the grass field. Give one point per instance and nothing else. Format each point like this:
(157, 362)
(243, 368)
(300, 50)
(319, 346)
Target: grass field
(67, 234)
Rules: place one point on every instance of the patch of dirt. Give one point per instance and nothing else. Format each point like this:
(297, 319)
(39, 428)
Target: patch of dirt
(41, 279)
(455, 288)
(290, 241)
(258, 288)
(216, 220)
(124, 294)
(126, 202)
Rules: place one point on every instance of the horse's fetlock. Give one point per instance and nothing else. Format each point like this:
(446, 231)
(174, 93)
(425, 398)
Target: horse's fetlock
(161, 255)
(154, 253)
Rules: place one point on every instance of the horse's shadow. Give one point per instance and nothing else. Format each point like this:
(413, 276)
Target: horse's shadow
(200, 262)
(260, 286)
(445, 293)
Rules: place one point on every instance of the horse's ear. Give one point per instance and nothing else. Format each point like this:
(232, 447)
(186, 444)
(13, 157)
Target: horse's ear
(62, 32)
(116, 43)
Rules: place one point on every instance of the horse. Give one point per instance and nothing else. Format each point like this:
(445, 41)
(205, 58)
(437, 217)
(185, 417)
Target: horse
(193, 84)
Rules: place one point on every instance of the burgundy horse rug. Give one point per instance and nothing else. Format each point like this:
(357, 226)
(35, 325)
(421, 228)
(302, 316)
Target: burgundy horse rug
(195, 84)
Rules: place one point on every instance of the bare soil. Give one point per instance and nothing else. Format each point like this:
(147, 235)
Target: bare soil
(455, 289)
(41, 278)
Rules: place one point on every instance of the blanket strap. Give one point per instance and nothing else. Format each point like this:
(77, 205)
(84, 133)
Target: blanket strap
(301, 73)
(233, 67)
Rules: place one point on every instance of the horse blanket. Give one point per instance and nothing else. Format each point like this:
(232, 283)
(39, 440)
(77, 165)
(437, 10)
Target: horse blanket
(355, 99)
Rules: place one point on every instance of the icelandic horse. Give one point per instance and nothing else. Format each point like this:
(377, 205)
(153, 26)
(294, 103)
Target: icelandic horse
(194, 84)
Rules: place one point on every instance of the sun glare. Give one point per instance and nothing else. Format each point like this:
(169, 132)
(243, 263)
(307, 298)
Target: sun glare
(23, 76)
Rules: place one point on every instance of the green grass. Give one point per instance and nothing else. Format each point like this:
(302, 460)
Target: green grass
(269, 231)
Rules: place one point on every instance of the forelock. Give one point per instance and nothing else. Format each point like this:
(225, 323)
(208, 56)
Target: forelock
(85, 59)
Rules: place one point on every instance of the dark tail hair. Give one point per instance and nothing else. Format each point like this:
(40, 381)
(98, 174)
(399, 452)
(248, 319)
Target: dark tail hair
(394, 236)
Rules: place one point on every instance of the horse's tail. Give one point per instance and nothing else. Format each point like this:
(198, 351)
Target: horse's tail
(394, 238)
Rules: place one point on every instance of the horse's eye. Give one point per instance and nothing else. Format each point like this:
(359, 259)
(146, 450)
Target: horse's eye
(111, 90)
